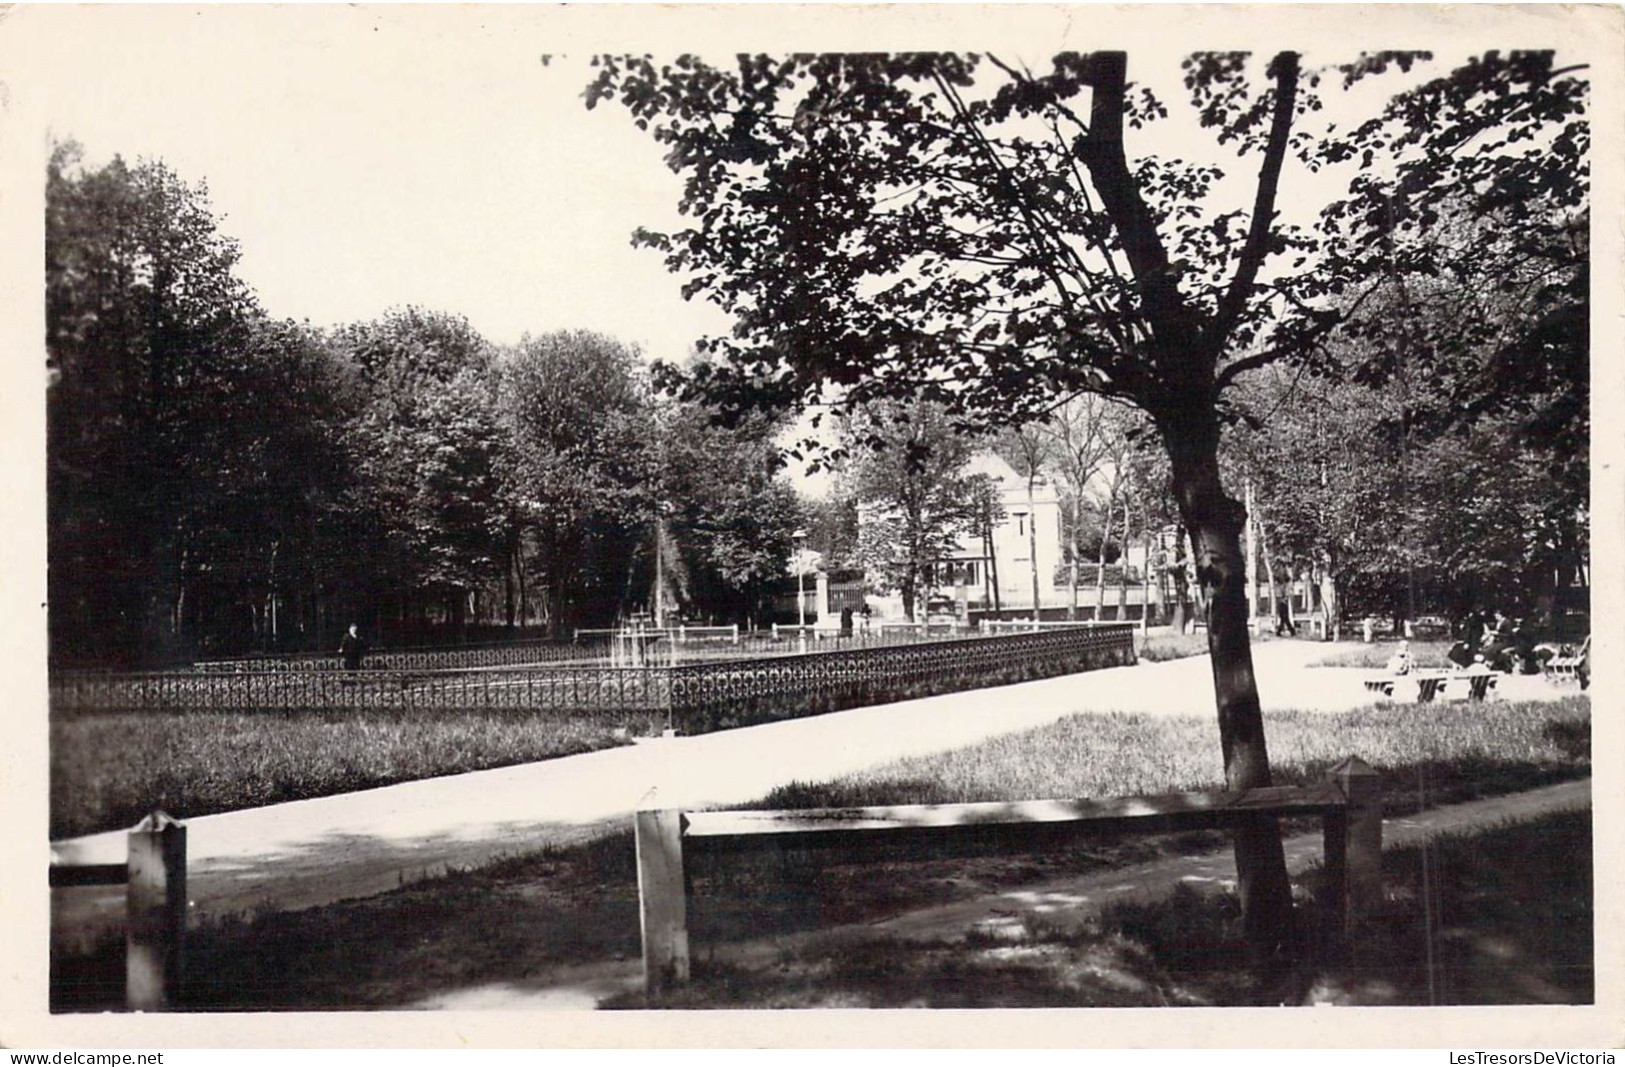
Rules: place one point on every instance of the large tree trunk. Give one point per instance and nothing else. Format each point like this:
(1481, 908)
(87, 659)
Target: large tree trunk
(1183, 400)
(1215, 523)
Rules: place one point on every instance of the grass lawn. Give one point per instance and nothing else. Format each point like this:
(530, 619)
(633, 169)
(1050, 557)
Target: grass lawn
(1428, 655)
(109, 770)
(1167, 645)
(525, 923)
(1466, 751)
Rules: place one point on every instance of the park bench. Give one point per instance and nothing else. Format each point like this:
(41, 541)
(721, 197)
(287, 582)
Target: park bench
(1563, 668)
(1430, 684)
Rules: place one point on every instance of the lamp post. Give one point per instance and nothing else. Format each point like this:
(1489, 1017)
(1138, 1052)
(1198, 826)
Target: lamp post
(801, 578)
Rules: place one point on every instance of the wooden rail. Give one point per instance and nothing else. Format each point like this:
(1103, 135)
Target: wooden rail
(154, 874)
(1349, 803)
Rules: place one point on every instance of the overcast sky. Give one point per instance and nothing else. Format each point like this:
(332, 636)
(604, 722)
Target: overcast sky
(372, 156)
(366, 159)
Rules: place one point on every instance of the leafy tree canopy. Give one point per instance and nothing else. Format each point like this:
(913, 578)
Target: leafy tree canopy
(962, 226)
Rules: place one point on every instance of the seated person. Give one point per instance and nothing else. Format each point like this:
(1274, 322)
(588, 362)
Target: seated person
(1400, 662)
(1500, 651)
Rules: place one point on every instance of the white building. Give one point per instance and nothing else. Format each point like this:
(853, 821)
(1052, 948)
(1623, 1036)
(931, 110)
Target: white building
(1029, 524)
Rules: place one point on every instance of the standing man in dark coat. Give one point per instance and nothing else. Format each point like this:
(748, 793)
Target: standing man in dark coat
(351, 649)
(1283, 619)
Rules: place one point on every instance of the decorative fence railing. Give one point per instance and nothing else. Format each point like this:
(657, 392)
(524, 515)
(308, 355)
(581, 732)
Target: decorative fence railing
(1010, 626)
(693, 697)
(547, 687)
(896, 630)
(708, 695)
(671, 644)
(682, 635)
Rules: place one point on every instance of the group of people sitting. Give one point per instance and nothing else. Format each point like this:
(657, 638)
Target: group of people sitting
(1503, 645)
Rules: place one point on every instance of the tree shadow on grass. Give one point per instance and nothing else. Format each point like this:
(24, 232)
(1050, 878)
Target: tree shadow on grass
(511, 922)
(1504, 916)
(522, 922)
(1508, 919)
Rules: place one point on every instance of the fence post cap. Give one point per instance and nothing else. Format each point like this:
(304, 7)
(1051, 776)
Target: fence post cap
(1356, 778)
(1353, 767)
(158, 820)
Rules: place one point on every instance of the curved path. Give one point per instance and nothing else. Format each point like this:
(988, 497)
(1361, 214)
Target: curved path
(305, 853)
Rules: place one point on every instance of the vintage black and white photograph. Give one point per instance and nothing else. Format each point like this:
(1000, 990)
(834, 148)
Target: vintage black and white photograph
(625, 513)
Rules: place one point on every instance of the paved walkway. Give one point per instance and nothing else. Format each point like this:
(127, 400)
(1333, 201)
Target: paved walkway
(305, 853)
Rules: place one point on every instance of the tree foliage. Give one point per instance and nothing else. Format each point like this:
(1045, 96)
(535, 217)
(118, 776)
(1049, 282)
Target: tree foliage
(733, 513)
(971, 231)
(221, 481)
(428, 453)
(147, 335)
(914, 495)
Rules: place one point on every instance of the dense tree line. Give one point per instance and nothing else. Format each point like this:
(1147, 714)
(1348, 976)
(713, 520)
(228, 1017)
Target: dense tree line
(224, 481)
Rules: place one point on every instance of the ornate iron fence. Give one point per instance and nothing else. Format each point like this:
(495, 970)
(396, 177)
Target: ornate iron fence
(708, 695)
(694, 697)
(547, 688)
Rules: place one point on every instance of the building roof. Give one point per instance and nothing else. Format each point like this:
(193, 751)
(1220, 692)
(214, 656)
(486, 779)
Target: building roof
(1011, 484)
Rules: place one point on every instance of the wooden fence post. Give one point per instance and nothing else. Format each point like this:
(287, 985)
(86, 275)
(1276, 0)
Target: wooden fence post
(1362, 865)
(157, 913)
(662, 898)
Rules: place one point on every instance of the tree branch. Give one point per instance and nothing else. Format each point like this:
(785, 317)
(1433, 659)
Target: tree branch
(1234, 302)
(1038, 229)
(1231, 371)
(1170, 320)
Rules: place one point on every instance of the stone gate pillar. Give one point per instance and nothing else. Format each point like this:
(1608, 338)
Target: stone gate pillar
(827, 619)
